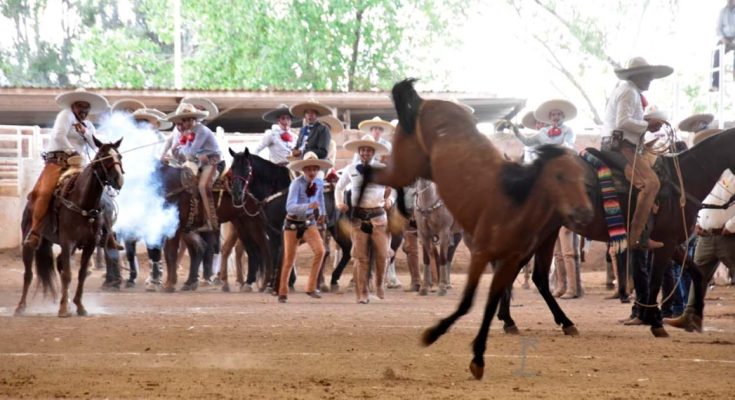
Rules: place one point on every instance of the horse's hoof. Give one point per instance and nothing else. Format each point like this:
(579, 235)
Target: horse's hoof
(570, 330)
(477, 370)
(82, 312)
(442, 292)
(659, 332)
(423, 292)
(324, 288)
(64, 314)
(189, 287)
(246, 288)
(511, 330)
(226, 288)
(19, 311)
(169, 289)
(129, 284)
(429, 337)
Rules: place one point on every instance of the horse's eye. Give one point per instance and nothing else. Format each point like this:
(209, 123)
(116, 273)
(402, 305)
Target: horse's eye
(560, 176)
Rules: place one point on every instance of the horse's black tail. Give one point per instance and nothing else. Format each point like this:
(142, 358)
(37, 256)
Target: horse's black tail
(407, 102)
(45, 268)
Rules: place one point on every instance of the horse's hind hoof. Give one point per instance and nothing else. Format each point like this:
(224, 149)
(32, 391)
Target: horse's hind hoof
(246, 288)
(659, 332)
(189, 287)
(423, 292)
(82, 312)
(64, 314)
(442, 292)
(511, 330)
(226, 288)
(570, 330)
(20, 311)
(477, 370)
(169, 289)
(429, 337)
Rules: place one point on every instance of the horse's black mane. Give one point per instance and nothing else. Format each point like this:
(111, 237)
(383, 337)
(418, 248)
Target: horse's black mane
(518, 180)
(268, 177)
(407, 103)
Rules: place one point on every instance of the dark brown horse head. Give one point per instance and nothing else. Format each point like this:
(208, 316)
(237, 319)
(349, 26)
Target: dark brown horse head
(107, 164)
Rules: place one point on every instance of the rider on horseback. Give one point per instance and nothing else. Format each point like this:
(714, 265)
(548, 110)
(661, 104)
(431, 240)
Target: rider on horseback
(621, 136)
(198, 144)
(70, 137)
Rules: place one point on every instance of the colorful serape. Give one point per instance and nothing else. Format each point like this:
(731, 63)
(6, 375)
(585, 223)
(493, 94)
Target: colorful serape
(610, 203)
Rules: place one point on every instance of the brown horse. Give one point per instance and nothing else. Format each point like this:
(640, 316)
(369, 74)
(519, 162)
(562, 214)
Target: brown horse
(501, 204)
(75, 215)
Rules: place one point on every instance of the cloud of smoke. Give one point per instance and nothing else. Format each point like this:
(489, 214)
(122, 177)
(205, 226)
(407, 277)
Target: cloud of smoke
(142, 210)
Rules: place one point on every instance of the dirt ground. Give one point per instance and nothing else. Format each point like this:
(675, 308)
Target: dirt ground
(210, 344)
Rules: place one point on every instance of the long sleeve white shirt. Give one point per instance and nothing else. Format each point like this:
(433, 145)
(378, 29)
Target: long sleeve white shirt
(64, 136)
(624, 112)
(722, 194)
(374, 195)
(278, 148)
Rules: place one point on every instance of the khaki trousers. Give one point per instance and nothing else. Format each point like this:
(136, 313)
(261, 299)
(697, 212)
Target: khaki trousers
(290, 243)
(360, 246)
(411, 248)
(566, 272)
(42, 193)
(644, 178)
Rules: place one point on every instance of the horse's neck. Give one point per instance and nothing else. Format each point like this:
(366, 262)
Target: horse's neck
(266, 184)
(89, 189)
(699, 172)
(427, 195)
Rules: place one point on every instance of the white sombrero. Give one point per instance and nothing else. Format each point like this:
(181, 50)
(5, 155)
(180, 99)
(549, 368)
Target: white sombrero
(144, 114)
(334, 124)
(366, 141)
(310, 159)
(542, 112)
(273, 115)
(704, 134)
(162, 117)
(366, 125)
(655, 112)
(127, 105)
(529, 121)
(468, 108)
(639, 65)
(186, 110)
(696, 122)
(300, 109)
(203, 104)
(96, 102)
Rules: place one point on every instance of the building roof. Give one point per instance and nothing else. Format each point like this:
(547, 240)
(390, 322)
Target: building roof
(241, 110)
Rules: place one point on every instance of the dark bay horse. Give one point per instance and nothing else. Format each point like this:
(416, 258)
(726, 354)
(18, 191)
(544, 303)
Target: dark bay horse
(75, 213)
(501, 204)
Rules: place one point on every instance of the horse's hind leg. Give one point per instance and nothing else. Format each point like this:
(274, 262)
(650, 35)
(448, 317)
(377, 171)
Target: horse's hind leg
(230, 240)
(427, 282)
(64, 260)
(84, 265)
(443, 264)
(170, 252)
(509, 326)
(27, 277)
(478, 261)
(540, 277)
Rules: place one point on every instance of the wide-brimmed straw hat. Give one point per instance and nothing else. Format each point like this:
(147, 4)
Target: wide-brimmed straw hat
(704, 134)
(368, 124)
(639, 65)
(164, 124)
(310, 159)
(654, 111)
(300, 109)
(203, 104)
(127, 105)
(529, 121)
(144, 114)
(282, 109)
(542, 112)
(696, 122)
(96, 102)
(366, 141)
(334, 124)
(186, 110)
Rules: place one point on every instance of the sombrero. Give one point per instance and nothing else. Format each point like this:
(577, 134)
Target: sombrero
(300, 108)
(638, 65)
(463, 105)
(162, 117)
(529, 121)
(146, 115)
(186, 110)
(368, 124)
(704, 134)
(334, 124)
(127, 105)
(696, 122)
(310, 159)
(542, 112)
(203, 104)
(96, 102)
(366, 141)
(273, 115)
(654, 112)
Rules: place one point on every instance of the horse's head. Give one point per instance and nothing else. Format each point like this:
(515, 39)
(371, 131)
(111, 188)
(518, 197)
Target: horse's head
(107, 164)
(562, 179)
(242, 175)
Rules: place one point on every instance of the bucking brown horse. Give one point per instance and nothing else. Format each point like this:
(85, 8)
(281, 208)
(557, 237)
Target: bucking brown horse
(502, 205)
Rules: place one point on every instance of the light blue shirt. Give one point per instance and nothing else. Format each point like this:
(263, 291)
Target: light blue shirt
(298, 202)
(726, 23)
(204, 143)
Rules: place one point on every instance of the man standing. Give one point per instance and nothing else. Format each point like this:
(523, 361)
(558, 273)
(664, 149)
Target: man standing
(278, 140)
(377, 128)
(622, 133)
(70, 139)
(369, 217)
(314, 136)
(726, 36)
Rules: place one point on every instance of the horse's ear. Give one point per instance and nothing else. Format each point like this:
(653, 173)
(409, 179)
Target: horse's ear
(246, 152)
(96, 141)
(117, 144)
(232, 152)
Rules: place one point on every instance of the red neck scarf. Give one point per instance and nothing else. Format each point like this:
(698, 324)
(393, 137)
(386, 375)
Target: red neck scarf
(185, 138)
(311, 189)
(644, 102)
(554, 131)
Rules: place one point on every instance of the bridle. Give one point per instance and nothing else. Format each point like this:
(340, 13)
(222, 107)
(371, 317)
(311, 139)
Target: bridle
(108, 163)
(246, 183)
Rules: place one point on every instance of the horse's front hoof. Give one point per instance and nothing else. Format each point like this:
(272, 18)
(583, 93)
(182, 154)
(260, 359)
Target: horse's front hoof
(64, 314)
(169, 289)
(570, 330)
(511, 330)
(659, 332)
(429, 337)
(226, 288)
(442, 292)
(477, 370)
(20, 311)
(423, 292)
(82, 312)
(246, 288)
(189, 287)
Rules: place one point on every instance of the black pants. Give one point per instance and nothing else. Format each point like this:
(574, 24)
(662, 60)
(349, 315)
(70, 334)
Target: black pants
(154, 255)
(640, 270)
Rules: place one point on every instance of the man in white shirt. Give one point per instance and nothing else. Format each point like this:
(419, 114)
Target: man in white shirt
(71, 138)
(369, 218)
(377, 127)
(725, 36)
(278, 140)
(623, 129)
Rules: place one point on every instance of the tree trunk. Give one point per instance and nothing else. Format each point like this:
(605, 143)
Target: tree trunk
(355, 49)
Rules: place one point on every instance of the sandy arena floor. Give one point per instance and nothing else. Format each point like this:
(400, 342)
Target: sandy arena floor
(210, 344)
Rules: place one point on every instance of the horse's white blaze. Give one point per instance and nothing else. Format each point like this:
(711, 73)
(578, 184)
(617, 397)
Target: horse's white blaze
(118, 169)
